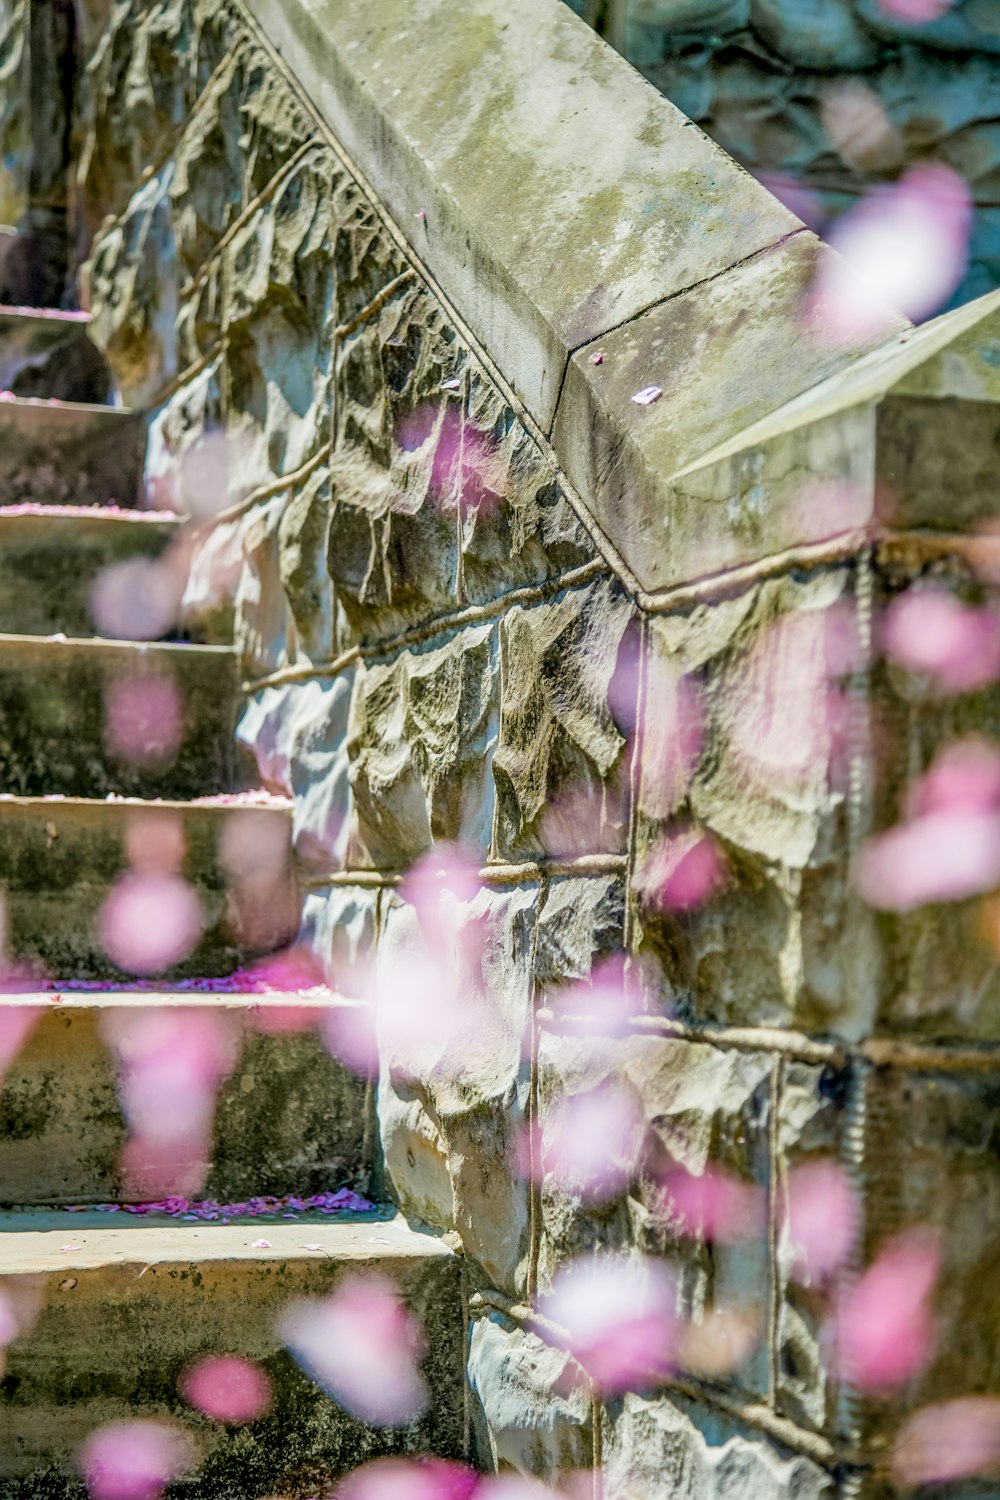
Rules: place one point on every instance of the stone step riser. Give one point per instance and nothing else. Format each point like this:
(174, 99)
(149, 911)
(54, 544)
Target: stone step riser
(70, 455)
(49, 566)
(289, 1119)
(88, 718)
(50, 355)
(59, 860)
(110, 1342)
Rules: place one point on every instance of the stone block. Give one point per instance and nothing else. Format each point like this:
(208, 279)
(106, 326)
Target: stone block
(339, 924)
(561, 763)
(720, 354)
(264, 629)
(748, 735)
(581, 921)
(302, 548)
(422, 735)
(472, 1089)
(532, 1399)
(696, 1107)
(669, 1445)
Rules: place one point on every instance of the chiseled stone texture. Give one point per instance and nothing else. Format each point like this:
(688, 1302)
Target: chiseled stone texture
(581, 921)
(531, 1399)
(674, 1447)
(13, 113)
(560, 766)
(472, 1095)
(770, 730)
(694, 1107)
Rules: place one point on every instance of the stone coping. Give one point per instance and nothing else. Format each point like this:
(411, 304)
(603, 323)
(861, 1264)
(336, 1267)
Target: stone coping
(590, 236)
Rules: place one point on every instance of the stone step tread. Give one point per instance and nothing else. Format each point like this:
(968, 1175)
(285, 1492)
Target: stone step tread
(89, 716)
(60, 856)
(318, 999)
(52, 317)
(42, 1241)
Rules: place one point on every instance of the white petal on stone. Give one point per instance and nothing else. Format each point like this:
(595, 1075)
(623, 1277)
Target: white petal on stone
(647, 395)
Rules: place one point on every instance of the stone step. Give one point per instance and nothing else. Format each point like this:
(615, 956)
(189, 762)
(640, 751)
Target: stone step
(51, 557)
(60, 858)
(49, 353)
(66, 453)
(83, 718)
(289, 1119)
(125, 1310)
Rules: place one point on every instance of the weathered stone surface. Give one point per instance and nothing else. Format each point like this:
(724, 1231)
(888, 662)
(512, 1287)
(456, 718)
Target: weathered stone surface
(672, 1446)
(721, 356)
(472, 1088)
(85, 718)
(302, 543)
(14, 122)
(120, 1318)
(339, 926)
(582, 268)
(50, 563)
(289, 1119)
(70, 455)
(298, 734)
(560, 766)
(581, 921)
(59, 858)
(768, 731)
(422, 736)
(695, 1107)
(534, 1404)
(51, 355)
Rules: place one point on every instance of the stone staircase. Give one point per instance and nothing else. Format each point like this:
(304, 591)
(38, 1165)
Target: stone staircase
(116, 1304)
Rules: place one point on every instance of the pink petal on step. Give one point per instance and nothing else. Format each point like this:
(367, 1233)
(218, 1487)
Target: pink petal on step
(134, 1460)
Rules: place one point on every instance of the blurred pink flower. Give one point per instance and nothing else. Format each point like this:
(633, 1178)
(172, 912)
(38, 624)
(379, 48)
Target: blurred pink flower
(589, 1144)
(916, 10)
(444, 868)
(144, 718)
(884, 1329)
(930, 631)
(134, 1460)
(672, 736)
(617, 1319)
(348, 1032)
(904, 247)
(227, 1388)
(155, 842)
(137, 600)
(965, 777)
(715, 1205)
(680, 872)
(150, 922)
(463, 459)
(162, 1169)
(942, 856)
(607, 1000)
(206, 474)
(17, 1022)
(821, 1217)
(363, 1347)
(409, 1479)
(948, 1441)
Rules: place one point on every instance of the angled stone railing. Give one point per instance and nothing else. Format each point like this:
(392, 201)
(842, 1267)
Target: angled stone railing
(356, 261)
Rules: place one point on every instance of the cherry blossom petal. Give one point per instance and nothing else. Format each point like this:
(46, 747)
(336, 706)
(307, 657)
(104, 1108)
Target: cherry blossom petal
(144, 718)
(715, 1205)
(134, 1460)
(930, 631)
(948, 1441)
(884, 1330)
(965, 777)
(227, 1388)
(821, 1219)
(363, 1347)
(150, 922)
(681, 872)
(943, 856)
(590, 1144)
(617, 1319)
(409, 1479)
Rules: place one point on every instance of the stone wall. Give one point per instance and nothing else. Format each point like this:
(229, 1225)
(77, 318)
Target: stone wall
(827, 99)
(446, 638)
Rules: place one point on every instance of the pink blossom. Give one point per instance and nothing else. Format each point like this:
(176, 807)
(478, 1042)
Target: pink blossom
(134, 1460)
(965, 777)
(205, 474)
(820, 1219)
(144, 718)
(17, 1022)
(858, 126)
(903, 247)
(409, 1479)
(363, 1347)
(916, 11)
(617, 1319)
(582, 819)
(715, 1205)
(681, 872)
(348, 1032)
(958, 646)
(942, 856)
(884, 1330)
(137, 600)
(160, 1168)
(607, 1000)
(150, 922)
(948, 1441)
(673, 734)
(444, 868)
(463, 463)
(227, 1388)
(589, 1144)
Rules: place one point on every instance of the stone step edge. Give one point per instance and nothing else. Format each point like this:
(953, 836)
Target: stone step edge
(45, 1241)
(107, 515)
(19, 313)
(219, 802)
(57, 999)
(98, 643)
